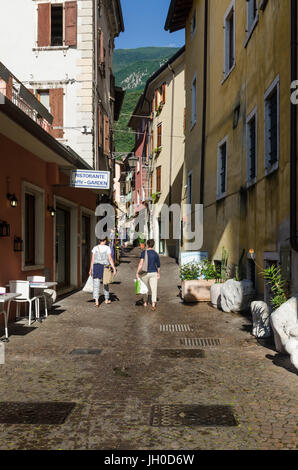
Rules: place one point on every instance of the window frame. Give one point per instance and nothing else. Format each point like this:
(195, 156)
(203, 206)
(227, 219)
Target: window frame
(253, 115)
(219, 193)
(275, 85)
(193, 24)
(251, 27)
(39, 235)
(227, 71)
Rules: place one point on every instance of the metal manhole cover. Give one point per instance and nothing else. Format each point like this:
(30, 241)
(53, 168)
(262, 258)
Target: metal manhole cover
(202, 342)
(192, 415)
(176, 353)
(175, 328)
(86, 351)
(35, 412)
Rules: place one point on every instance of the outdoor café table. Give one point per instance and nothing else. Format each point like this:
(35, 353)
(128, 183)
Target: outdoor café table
(39, 287)
(6, 298)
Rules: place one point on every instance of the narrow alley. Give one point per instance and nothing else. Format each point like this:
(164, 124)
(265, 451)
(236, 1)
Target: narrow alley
(129, 378)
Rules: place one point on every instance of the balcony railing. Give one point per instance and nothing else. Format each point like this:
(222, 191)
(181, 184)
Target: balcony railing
(21, 97)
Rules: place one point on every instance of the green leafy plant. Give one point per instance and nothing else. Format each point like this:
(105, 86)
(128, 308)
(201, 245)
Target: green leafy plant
(141, 238)
(277, 284)
(157, 150)
(224, 264)
(190, 271)
(159, 109)
(155, 197)
(208, 270)
(238, 276)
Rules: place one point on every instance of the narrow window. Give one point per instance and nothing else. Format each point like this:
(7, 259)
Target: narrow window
(251, 147)
(189, 188)
(159, 135)
(252, 13)
(158, 179)
(193, 23)
(272, 127)
(229, 28)
(29, 230)
(44, 97)
(56, 25)
(194, 101)
(222, 169)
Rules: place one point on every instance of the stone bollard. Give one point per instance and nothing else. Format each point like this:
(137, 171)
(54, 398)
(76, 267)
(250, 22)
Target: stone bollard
(236, 296)
(215, 295)
(261, 319)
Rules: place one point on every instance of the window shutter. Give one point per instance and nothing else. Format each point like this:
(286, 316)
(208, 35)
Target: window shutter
(158, 179)
(56, 105)
(164, 86)
(106, 135)
(101, 48)
(99, 127)
(159, 132)
(71, 23)
(44, 25)
(156, 100)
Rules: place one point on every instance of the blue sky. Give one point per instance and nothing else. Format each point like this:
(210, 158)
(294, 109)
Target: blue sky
(144, 22)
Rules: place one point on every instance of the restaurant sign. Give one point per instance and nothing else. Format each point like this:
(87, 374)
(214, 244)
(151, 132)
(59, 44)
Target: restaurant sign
(90, 179)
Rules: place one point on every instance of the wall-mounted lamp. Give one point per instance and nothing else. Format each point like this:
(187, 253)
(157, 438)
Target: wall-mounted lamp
(18, 244)
(12, 199)
(51, 211)
(4, 229)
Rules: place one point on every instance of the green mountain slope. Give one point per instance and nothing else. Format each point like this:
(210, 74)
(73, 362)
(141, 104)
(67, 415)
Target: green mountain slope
(132, 68)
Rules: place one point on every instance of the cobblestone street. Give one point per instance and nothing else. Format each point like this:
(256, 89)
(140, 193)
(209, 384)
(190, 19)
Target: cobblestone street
(137, 368)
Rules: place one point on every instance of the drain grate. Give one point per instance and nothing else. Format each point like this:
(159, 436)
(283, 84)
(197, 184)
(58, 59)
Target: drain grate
(202, 342)
(86, 351)
(176, 353)
(192, 415)
(175, 328)
(35, 412)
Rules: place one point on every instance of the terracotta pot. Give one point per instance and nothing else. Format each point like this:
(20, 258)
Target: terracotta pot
(197, 290)
(142, 246)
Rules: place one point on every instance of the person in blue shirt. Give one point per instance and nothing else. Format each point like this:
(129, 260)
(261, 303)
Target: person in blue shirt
(151, 277)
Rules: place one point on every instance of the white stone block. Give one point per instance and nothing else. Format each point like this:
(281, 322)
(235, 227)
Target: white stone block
(261, 319)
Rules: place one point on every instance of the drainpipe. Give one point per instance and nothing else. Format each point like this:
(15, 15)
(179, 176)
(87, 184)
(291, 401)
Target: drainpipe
(293, 135)
(95, 90)
(202, 182)
(172, 133)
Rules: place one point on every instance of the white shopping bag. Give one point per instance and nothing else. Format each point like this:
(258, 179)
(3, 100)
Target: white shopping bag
(88, 287)
(143, 288)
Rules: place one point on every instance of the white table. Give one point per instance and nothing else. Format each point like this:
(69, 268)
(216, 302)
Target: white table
(6, 298)
(41, 286)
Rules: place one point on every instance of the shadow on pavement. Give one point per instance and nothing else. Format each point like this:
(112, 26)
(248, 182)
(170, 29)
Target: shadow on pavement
(282, 360)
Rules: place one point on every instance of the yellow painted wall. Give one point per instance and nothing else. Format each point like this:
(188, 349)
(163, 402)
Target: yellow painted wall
(257, 217)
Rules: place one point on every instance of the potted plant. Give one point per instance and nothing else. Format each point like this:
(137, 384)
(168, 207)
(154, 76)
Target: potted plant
(155, 197)
(222, 276)
(157, 150)
(197, 279)
(142, 241)
(159, 109)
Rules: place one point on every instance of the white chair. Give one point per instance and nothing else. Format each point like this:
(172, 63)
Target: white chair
(39, 296)
(23, 288)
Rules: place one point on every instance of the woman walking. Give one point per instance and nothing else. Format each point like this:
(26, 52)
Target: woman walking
(151, 277)
(101, 257)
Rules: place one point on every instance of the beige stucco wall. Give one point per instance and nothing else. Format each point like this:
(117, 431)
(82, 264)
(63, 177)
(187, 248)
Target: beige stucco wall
(257, 217)
(172, 119)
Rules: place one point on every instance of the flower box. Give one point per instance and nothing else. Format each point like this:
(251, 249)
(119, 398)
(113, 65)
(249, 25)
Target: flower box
(197, 290)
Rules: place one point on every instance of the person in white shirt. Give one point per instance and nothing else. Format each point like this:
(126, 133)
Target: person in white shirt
(101, 257)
